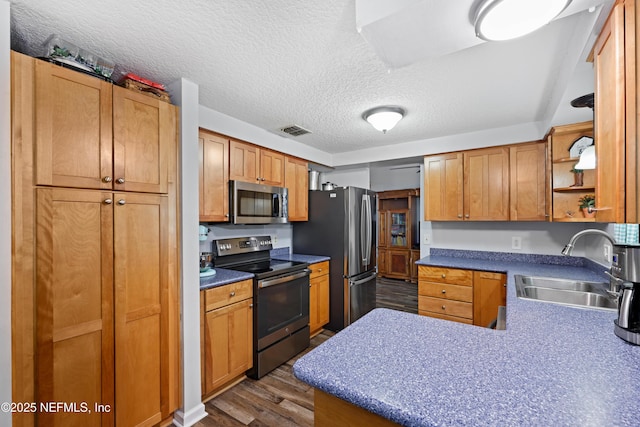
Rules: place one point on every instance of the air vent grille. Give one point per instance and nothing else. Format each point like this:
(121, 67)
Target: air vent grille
(294, 130)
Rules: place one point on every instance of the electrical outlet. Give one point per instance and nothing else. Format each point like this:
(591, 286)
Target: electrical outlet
(516, 242)
(607, 252)
(274, 240)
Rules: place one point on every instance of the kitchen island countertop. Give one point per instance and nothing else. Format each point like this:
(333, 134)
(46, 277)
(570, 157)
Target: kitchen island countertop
(553, 365)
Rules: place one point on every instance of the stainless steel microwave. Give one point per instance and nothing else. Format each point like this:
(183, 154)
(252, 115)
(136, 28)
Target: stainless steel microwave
(258, 204)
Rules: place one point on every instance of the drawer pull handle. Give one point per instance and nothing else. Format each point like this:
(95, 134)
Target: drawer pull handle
(444, 291)
(444, 307)
(233, 293)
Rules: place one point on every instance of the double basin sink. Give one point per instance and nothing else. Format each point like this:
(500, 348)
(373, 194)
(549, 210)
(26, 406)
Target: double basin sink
(577, 293)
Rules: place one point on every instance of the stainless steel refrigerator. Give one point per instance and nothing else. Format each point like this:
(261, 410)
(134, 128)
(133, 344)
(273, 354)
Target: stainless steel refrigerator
(342, 225)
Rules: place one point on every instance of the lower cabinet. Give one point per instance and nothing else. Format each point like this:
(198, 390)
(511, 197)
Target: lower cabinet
(318, 297)
(464, 296)
(227, 334)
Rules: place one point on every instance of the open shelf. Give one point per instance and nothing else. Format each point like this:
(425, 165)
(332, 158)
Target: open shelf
(574, 189)
(567, 160)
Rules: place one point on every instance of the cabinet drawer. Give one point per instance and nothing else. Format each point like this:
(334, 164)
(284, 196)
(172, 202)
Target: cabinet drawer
(227, 294)
(445, 317)
(446, 275)
(446, 291)
(319, 269)
(450, 307)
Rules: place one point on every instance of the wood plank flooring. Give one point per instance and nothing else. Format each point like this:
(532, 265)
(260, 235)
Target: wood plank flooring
(281, 400)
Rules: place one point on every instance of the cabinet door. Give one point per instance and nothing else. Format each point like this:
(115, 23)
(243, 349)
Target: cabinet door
(144, 129)
(413, 268)
(382, 262)
(398, 220)
(486, 184)
(443, 186)
(609, 127)
(318, 303)
(271, 168)
(528, 176)
(383, 221)
(489, 292)
(141, 291)
(244, 162)
(228, 339)
(72, 128)
(296, 179)
(74, 303)
(214, 177)
(398, 263)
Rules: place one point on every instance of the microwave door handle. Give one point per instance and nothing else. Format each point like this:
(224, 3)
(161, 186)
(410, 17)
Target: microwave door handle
(276, 206)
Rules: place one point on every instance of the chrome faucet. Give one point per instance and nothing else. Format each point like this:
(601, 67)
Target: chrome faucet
(569, 247)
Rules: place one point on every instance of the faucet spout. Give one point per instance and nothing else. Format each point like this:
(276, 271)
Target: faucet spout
(568, 249)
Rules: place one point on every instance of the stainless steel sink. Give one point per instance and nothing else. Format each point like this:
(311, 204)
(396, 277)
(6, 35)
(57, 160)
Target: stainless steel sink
(577, 293)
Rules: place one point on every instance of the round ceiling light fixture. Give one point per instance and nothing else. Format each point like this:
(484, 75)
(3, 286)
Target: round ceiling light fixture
(497, 20)
(384, 118)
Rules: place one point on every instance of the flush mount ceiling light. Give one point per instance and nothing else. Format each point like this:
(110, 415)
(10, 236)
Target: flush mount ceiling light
(384, 118)
(507, 19)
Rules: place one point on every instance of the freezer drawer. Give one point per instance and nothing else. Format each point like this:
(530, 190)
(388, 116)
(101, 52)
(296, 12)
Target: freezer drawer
(362, 295)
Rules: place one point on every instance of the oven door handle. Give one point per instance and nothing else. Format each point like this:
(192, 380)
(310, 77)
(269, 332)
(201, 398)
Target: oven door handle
(277, 281)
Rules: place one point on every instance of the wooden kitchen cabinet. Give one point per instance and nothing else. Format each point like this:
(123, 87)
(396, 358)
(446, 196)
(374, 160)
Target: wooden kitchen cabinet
(95, 284)
(251, 163)
(398, 231)
(227, 334)
(318, 297)
(464, 296)
(214, 176)
(296, 179)
(471, 185)
(528, 182)
(615, 64)
(91, 134)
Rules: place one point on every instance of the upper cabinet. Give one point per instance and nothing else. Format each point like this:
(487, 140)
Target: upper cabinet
(528, 182)
(214, 176)
(91, 134)
(614, 59)
(470, 185)
(296, 179)
(251, 163)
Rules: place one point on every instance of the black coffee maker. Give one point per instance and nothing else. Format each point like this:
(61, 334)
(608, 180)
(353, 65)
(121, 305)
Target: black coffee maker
(625, 270)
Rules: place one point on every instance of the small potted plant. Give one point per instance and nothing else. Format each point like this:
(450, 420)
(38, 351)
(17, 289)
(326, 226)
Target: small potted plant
(588, 204)
(578, 176)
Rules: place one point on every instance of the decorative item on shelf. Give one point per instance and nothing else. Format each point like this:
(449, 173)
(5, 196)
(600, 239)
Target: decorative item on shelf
(578, 177)
(588, 204)
(65, 53)
(579, 145)
(146, 86)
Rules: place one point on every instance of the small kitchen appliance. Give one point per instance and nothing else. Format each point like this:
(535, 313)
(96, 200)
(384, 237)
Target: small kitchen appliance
(258, 203)
(625, 271)
(280, 299)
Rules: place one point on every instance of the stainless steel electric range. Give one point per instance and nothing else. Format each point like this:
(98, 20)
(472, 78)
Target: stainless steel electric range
(280, 299)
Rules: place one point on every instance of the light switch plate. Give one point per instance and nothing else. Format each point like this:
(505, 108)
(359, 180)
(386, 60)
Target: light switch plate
(516, 242)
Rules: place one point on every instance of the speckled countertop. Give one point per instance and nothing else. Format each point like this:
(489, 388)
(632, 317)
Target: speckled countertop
(224, 276)
(553, 365)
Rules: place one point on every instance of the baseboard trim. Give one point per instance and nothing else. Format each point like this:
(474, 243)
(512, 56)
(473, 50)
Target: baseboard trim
(182, 419)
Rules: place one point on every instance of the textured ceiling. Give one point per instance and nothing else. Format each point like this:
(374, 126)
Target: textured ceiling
(281, 62)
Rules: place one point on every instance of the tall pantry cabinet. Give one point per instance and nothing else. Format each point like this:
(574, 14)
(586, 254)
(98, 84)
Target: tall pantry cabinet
(95, 273)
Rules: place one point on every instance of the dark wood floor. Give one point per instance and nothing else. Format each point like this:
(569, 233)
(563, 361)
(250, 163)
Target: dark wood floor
(279, 399)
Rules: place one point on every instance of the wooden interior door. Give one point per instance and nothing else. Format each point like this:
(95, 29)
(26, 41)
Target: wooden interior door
(528, 177)
(144, 129)
(443, 187)
(214, 177)
(609, 126)
(486, 184)
(244, 162)
(72, 128)
(296, 179)
(74, 304)
(141, 324)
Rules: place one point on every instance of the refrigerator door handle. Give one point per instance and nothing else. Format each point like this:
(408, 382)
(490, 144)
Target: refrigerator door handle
(361, 281)
(369, 229)
(363, 229)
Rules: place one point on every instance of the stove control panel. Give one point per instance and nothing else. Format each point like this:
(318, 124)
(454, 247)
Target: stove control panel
(241, 245)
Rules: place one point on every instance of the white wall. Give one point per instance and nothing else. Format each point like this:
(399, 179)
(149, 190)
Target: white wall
(5, 211)
(185, 94)
(395, 177)
(353, 177)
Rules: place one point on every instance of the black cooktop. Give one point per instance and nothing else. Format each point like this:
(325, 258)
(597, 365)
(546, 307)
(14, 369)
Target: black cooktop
(271, 267)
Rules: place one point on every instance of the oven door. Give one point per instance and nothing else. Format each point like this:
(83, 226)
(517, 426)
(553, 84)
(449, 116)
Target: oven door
(282, 307)
(258, 204)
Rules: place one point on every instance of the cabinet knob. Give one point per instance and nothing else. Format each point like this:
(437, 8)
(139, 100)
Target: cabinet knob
(466, 216)
(251, 305)
(444, 292)
(232, 294)
(262, 179)
(258, 179)
(120, 181)
(444, 307)
(108, 201)
(444, 275)
(106, 179)
(121, 202)
(460, 216)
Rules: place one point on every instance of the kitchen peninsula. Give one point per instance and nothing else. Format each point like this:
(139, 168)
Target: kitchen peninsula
(553, 365)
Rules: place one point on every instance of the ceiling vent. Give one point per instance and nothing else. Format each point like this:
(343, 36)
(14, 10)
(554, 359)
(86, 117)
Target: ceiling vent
(294, 130)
